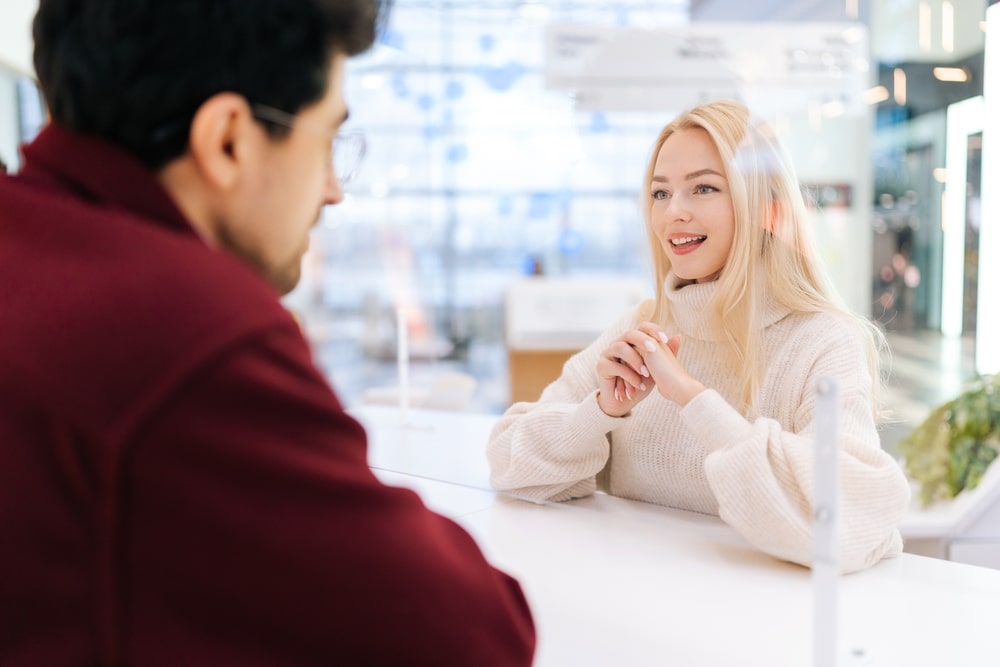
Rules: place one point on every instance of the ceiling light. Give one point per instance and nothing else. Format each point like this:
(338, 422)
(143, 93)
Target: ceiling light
(899, 86)
(876, 95)
(955, 74)
(948, 26)
(924, 26)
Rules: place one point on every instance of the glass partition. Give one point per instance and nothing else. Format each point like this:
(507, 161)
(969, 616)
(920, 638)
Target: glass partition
(477, 174)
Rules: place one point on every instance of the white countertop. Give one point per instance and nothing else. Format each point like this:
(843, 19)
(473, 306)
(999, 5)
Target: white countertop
(447, 446)
(618, 582)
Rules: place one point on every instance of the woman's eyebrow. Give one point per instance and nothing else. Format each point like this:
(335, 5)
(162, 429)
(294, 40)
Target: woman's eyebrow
(702, 172)
(688, 177)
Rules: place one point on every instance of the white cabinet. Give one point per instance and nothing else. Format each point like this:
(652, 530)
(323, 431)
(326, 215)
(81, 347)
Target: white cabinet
(547, 320)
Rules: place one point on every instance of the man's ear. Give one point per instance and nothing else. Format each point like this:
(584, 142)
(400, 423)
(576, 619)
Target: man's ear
(219, 138)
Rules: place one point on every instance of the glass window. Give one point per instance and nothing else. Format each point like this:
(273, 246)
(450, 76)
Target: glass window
(476, 175)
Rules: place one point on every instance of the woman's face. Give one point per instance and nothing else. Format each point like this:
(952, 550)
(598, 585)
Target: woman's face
(692, 208)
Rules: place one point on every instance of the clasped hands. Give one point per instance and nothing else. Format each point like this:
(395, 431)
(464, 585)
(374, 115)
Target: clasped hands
(640, 360)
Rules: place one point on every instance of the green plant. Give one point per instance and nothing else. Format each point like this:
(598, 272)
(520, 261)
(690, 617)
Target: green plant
(951, 450)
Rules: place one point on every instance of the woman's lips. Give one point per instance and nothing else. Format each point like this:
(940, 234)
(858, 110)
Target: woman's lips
(682, 245)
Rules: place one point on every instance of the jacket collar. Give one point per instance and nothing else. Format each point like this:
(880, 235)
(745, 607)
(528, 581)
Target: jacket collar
(101, 172)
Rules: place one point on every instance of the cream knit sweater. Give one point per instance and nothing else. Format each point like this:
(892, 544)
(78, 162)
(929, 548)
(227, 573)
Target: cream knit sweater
(757, 474)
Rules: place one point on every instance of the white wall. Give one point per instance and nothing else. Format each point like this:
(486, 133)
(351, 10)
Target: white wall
(15, 33)
(838, 152)
(15, 61)
(9, 136)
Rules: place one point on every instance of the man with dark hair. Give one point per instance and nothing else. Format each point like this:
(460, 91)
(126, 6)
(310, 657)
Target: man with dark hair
(179, 484)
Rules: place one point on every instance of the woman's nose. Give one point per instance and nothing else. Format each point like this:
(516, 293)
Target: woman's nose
(678, 208)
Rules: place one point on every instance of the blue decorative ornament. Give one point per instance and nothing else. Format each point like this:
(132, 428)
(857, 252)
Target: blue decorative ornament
(571, 242)
(425, 102)
(564, 197)
(599, 122)
(487, 42)
(392, 39)
(399, 85)
(457, 153)
(540, 205)
(532, 265)
(454, 90)
(431, 132)
(505, 205)
(503, 78)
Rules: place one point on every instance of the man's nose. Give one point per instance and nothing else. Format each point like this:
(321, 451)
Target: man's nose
(334, 193)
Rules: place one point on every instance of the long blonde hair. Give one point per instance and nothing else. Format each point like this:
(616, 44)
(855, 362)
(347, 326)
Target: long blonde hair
(772, 246)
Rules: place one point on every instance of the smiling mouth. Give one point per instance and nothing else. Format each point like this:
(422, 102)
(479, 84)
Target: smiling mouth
(687, 241)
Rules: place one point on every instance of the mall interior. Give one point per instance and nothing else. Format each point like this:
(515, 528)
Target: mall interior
(495, 228)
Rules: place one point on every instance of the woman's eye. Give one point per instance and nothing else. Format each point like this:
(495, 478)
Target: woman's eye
(660, 194)
(704, 189)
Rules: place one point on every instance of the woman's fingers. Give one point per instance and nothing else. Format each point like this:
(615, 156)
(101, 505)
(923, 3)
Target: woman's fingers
(644, 358)
(654, 332)
(624, 378)
(621, 352)
(620, 371)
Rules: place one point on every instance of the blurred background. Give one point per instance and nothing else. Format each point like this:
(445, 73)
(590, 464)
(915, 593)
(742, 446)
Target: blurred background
(495, 226)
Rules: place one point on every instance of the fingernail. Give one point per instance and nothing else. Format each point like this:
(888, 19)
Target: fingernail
(628, 392)
(651, 346)
(617, 395)
(642, 385)
(644, 371)
(663, 337)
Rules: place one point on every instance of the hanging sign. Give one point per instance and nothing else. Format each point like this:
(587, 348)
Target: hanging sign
(768, 66)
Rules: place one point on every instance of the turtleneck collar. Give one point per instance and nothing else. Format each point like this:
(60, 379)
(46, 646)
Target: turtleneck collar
(690, 308)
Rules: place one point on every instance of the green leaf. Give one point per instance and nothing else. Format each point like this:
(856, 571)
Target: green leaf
(951, 449)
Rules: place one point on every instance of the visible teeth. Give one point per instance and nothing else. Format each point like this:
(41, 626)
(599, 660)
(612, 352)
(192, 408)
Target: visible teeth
(687, 239)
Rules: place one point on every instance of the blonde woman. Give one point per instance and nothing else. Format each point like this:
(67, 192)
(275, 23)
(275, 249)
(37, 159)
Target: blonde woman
(703, 399)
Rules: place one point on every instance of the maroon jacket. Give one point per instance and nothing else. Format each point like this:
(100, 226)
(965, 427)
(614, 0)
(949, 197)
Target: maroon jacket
(178, 483)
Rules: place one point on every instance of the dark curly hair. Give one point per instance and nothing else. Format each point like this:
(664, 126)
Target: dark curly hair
(134, 72)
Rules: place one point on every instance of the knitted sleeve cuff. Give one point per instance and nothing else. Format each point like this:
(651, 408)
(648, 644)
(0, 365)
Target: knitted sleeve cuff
(713, 421)
(589, 418)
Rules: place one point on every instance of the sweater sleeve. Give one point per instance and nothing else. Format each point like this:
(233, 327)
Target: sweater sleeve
(553, 449)
(763, 477)
(255, 534)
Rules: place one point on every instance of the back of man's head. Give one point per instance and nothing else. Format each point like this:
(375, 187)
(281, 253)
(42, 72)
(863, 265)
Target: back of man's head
(135, 71)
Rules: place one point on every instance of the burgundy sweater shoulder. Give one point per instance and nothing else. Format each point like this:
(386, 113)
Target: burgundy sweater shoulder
(181, 485)
(105, 311)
